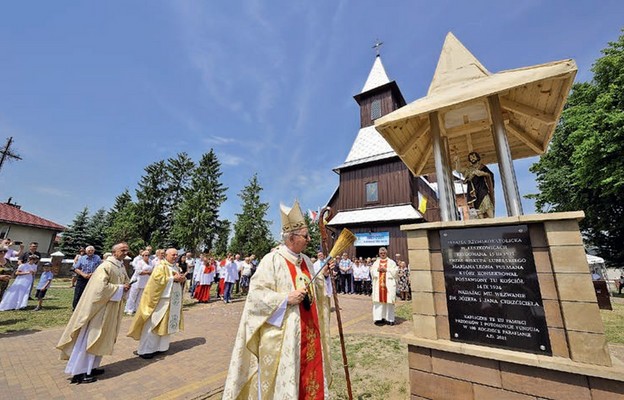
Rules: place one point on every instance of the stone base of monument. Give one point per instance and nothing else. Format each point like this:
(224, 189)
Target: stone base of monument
(505, 308)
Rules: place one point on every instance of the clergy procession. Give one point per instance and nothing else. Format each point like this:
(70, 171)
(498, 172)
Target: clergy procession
(282, 346)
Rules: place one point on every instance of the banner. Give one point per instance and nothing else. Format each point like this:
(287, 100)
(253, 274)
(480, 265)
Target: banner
(372, 239)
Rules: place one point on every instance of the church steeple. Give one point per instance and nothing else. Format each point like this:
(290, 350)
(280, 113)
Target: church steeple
(377, 76)
(380, 95)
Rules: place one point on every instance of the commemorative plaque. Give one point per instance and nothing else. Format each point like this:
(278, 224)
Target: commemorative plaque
(492, 291)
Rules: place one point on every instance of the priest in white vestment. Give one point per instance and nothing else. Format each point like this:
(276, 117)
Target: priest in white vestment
(384, 273)
(93, 327)
(282, 345)
(159, 314)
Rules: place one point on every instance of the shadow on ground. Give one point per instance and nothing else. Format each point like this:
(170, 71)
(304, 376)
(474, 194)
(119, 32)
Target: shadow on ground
(136, 363)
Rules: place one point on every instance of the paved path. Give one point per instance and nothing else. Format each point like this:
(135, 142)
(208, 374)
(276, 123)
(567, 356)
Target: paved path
(196, 363)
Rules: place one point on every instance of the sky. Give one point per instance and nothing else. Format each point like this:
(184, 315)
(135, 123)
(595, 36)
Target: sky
(93, 92)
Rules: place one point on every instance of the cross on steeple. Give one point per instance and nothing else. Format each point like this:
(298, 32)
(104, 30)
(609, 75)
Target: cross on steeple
(376, 46)
(7, 154)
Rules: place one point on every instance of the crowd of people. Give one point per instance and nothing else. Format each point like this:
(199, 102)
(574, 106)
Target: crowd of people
(16, 296)
(353, 276)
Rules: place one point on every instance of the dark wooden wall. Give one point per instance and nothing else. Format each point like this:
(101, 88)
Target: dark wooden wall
(388, 104)
(393, 185)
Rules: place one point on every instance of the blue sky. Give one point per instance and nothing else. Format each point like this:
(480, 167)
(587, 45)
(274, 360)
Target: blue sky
(92, 92)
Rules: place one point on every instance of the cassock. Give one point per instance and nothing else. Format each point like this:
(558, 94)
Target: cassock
(160, 310)
(384, 289)
(205, 278)
(281, 351)
(93, 327)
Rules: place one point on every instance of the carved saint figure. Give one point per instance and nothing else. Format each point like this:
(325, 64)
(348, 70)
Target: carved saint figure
(480, 182)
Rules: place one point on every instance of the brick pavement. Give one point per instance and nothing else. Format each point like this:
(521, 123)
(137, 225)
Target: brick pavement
(196, 363)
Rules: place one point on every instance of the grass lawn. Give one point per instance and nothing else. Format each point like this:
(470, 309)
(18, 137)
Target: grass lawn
(614, 321)
(377, 366)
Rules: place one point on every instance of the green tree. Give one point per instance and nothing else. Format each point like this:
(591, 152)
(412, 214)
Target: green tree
(122, 224)
(314, 246)
(251, 229)
(177, 184)
(96, 230)
(76, 235)
(196, 221)
(584, 166)
(151, 205)
(221, 241)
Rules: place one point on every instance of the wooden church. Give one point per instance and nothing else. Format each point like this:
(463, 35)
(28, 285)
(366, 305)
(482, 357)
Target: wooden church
(377, 193)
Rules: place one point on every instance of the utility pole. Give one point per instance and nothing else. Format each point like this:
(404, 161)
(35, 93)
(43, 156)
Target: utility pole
(6, 153)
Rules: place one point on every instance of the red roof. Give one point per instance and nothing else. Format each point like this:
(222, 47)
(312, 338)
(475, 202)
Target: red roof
(14, 215)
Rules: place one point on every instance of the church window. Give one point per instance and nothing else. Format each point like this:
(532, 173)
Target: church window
(371, 192)
(375, 109)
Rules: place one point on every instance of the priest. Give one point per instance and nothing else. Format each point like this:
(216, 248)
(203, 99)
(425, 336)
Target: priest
(159, 314)
(93, 327)
(282, 346)
(384, 273)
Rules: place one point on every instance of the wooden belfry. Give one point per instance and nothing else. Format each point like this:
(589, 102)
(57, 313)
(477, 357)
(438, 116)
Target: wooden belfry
(502, 307)
(503, 116)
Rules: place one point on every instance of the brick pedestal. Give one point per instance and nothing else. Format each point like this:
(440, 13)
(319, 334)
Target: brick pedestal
(580, 367)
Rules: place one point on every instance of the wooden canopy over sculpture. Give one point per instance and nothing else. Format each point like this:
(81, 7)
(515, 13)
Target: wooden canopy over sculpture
(503, 116)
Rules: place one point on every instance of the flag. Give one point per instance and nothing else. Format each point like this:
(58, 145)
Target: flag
(313, 215)
(422, 203)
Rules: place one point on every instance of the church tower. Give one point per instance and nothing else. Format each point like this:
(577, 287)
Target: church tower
(377, 193)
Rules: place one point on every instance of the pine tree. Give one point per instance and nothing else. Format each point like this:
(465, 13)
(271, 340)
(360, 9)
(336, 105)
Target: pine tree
(221, 242)
(96, 230)
(178, 182)
(122, 225)
(196, 221)
(151, 205)
(76, 235)
(314, 245)
(251, 229)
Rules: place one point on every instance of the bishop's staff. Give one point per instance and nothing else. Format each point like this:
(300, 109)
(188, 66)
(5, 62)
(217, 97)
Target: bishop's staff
(345, 240)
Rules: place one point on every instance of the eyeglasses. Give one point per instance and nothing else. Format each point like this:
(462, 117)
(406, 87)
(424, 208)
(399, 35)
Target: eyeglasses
(306, 236)
(3, 251)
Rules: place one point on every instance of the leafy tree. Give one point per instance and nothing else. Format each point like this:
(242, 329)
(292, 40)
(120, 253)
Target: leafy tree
(76, 235)
(221, 241)
(584, 167)
(251, 229)
(122, 224)
(96, 230)
(196, 221)
(151, 205)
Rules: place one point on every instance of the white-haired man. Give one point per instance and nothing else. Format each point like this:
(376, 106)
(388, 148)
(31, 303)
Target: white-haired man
(93, 327)
(282, 345)
(84, 269)
(159, 314)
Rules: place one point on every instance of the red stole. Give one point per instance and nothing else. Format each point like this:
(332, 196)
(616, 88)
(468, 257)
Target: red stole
(311, 385)
(383, 289)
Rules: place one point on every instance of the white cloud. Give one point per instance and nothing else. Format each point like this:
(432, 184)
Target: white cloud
(214, 140)
(229, 159)
(52, 191)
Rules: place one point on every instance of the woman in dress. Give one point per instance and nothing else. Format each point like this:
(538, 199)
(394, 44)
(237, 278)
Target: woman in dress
(403, 285)
(16, 296)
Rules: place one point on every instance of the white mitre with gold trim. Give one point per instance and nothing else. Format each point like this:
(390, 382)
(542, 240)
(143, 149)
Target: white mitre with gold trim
(292, 217)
